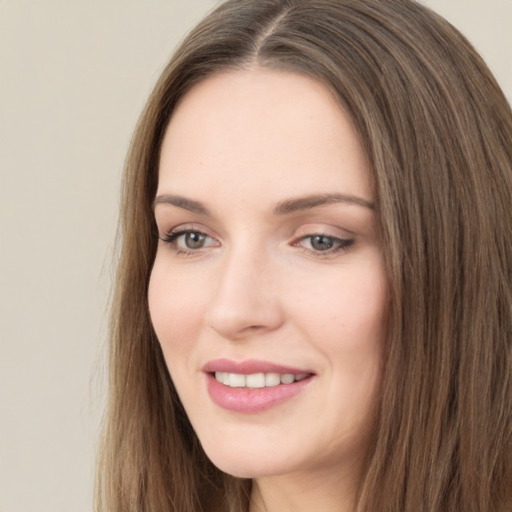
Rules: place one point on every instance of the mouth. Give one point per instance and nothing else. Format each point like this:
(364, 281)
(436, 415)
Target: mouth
(258, 380)
(253, 386)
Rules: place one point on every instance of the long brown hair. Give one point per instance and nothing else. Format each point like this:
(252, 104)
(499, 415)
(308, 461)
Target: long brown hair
(437, 131)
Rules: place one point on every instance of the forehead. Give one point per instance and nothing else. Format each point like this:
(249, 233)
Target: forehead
(262, 131)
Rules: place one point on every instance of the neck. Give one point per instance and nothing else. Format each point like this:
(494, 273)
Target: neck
(328, 492)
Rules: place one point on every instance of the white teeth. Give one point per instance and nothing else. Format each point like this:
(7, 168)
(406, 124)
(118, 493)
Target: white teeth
(287, 378)
(272, 379)
(257, 380)
(222, 377)
(236, 380)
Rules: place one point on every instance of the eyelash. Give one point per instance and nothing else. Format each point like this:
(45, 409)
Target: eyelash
(338, 244)
(171, 239)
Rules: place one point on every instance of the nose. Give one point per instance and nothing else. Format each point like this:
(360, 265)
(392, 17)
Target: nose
(245, 301)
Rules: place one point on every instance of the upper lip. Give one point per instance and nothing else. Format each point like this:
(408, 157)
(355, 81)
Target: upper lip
(250, 366)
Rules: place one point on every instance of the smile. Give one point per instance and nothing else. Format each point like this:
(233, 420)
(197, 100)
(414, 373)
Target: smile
(257, 380)
(253, 386)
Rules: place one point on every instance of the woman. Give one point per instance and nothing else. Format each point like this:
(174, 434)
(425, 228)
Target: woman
(313, 302)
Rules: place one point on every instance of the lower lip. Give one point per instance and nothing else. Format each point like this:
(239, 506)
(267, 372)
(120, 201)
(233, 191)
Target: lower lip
(248, 400)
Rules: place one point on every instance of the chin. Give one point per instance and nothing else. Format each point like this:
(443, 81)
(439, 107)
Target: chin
(243, 468)
(249, 463)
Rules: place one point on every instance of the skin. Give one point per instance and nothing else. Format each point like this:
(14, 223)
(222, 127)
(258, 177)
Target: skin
(257, 287)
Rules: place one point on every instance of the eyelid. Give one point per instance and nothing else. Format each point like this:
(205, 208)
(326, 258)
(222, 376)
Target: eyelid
(184, 227)
(326, 229)
(339, 245)
(342, 239)
(171, 238)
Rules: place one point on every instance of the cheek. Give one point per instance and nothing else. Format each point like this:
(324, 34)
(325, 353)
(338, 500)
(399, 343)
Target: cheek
(354, 342)
(346, 308)
(175, 309)
(345, 321)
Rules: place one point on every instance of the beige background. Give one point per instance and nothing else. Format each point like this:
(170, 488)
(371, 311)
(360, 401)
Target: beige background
(73, 77)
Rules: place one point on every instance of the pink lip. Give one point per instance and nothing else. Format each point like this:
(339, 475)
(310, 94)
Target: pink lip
(249, 366)
(245, 400)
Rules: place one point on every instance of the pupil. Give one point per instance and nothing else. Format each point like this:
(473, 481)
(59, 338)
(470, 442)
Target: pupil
(322, 243)
(194, 240)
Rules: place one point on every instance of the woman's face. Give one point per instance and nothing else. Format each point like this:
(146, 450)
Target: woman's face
(268, 289)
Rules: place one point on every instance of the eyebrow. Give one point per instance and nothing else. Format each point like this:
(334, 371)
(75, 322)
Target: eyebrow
(282, 208)
(182, 202)
(306, 203)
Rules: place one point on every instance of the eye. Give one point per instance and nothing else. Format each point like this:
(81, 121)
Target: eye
(187, 241)
(193, 240)
(325, 244)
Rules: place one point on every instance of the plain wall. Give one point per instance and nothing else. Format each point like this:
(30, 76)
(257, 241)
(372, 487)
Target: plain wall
(73, 78)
